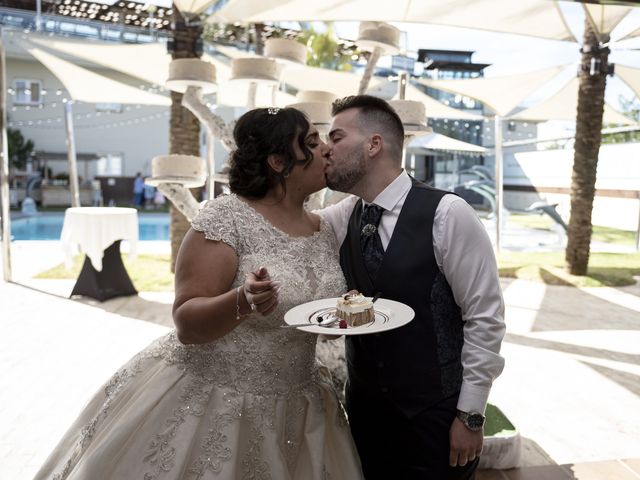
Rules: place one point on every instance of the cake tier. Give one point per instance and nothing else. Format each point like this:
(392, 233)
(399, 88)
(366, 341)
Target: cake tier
(256, 69)
(286, 49)
(381, 35)
(318, 113)
(191, 72)
(184, 169)
(316, 96)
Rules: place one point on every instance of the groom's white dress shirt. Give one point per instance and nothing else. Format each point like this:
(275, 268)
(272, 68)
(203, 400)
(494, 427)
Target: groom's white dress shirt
(465, 256)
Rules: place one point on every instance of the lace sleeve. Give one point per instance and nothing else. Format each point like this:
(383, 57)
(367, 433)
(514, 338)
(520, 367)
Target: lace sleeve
(217, 221)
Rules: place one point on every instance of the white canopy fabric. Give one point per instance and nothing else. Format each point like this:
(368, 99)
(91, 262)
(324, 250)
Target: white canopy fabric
(501, 94)
(606, 17)
(303, 77)
(630, 76)
(436, 141)
(86, 86)
(523, 17)
(564, 105)
(148, 62)
(634, 33)
(192, 6)
(434, 108)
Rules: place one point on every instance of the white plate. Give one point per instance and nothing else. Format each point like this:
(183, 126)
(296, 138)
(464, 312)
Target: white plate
(389, 315)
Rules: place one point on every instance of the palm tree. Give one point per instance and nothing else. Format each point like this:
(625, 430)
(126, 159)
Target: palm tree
(184, 127)
(593, 78)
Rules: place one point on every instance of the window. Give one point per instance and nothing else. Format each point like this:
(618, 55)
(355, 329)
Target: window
(109, 164)
(27, 92)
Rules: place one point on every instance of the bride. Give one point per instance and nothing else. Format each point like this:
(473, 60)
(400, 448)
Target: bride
(229, 394)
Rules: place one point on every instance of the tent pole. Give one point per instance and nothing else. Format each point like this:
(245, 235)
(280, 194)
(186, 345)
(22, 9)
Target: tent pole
(251, 97)
(71, 154)
(402, 85)
(499, 181)
(4, 171)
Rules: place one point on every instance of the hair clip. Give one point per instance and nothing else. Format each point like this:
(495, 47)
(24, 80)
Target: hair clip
(273, 110)
(369, 230)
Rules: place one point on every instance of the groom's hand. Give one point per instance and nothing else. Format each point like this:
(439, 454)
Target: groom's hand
(261, 292)
(464, 444)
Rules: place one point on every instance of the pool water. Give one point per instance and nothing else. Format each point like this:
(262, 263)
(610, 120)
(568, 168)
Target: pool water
(48, 226)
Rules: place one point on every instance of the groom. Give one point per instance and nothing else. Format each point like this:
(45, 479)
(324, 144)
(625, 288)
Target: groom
(416, 395)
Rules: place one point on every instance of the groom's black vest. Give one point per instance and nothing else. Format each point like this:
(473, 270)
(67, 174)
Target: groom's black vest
(419, 364)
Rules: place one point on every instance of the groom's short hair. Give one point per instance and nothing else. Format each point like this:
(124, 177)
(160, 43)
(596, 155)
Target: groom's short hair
(375, 113)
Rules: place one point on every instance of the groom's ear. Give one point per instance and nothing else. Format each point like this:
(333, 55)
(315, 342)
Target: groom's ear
(374, 146)
(275, 163)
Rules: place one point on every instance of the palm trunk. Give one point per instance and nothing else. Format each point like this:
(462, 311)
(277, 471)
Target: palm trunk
(184, 127)
(587, 145)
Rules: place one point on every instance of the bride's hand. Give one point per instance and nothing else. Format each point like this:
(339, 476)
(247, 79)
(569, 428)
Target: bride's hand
(261, 292)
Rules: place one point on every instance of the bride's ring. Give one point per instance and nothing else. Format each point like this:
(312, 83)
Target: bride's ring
(253, 307)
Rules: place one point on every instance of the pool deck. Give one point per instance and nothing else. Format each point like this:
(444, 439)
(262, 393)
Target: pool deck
(571, 384)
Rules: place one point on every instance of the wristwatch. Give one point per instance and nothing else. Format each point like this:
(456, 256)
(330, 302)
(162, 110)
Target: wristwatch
(474, 421)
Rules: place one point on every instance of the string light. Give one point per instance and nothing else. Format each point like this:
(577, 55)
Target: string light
(45, 123)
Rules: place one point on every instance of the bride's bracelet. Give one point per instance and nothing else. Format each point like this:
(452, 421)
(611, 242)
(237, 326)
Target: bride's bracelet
(238, 314)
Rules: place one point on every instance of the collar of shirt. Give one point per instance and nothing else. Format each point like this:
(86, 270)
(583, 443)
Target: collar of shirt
(395, 191)
(392, 199)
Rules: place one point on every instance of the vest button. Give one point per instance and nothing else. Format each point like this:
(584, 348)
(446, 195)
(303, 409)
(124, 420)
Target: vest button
(384, 390)
(380, 364)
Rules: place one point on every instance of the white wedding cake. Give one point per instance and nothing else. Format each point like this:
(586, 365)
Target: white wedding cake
(187, 170)
(316, 96)
(256, 69)
(316, 104)
(286, 49)
(381, 35)
(191, 72)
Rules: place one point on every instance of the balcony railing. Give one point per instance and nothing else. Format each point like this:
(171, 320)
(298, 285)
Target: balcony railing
(61, 25)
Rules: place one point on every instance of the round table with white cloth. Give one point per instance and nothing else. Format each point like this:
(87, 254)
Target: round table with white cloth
(94, 229)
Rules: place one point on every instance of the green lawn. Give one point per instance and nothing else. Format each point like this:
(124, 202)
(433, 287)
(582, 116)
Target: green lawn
(149, 273)
(496, 422)
(600, 234)
(605, 269)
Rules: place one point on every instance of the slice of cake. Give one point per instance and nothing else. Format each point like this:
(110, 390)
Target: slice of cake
(355, 309)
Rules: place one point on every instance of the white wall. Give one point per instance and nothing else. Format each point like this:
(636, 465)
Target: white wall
(140, 132)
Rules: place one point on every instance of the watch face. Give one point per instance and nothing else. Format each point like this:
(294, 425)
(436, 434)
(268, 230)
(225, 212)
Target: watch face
(475, 421)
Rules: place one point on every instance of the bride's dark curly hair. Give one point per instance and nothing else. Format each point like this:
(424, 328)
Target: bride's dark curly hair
(258, 134)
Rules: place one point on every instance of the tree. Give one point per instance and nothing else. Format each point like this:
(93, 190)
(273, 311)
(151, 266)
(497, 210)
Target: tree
(184, 127)
(593, 78)
(324, 50)
(19, 149)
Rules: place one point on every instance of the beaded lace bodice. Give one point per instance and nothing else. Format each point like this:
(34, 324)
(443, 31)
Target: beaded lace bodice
(260, 357)
(221, 408)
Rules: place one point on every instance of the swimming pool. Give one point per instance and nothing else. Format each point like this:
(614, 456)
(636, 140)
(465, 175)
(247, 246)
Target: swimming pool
(48, 226)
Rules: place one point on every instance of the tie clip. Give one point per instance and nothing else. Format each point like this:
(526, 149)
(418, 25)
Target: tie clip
(369, 230)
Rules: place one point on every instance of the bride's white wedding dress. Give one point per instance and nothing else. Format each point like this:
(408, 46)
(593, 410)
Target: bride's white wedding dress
(251, 405)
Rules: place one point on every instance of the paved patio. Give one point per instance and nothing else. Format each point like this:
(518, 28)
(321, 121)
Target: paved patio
(571, 382)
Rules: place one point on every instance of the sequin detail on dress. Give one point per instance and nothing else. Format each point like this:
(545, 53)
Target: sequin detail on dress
(239, 407)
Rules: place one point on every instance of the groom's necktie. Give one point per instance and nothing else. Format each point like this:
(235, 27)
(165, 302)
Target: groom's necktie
(370, 243)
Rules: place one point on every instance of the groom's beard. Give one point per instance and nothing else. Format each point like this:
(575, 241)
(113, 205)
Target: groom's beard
(347, 172)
